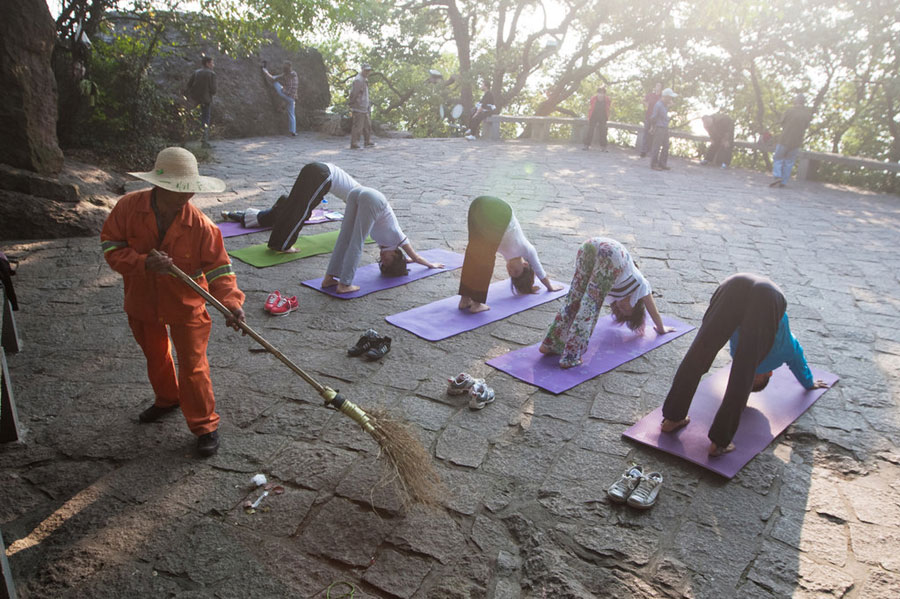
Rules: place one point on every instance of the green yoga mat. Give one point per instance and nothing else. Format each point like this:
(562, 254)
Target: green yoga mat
(261, 256)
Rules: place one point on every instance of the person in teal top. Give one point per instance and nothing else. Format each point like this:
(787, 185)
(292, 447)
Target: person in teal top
(755, 306)
(785, 350)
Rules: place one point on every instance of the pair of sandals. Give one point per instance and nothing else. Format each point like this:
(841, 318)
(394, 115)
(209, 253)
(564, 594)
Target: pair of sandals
(464, 383)
(371, 346)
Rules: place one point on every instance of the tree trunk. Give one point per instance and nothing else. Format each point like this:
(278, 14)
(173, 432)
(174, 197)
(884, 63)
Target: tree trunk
(760, 111)
(459, 25)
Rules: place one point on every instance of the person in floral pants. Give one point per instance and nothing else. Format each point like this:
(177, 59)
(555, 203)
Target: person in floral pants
(603, 269)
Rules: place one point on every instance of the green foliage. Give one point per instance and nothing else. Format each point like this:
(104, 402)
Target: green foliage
(241, 26)
(745, 58)
(131, 120)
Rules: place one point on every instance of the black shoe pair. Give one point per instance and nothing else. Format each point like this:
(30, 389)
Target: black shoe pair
(371, 345)
(207, 444)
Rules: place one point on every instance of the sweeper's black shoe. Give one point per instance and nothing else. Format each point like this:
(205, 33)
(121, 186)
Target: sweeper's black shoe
(208, 444)
(155, 412)
(379, 349)
(365, 342)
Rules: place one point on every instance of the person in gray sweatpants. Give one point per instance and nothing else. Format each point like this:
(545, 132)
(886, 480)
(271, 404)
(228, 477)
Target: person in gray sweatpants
(368, 213)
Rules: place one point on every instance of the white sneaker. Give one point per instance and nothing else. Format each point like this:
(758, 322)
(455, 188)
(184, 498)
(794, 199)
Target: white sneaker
(622, 488)
(462, 383)
(644, 496)
(481, 394)
(470, 137)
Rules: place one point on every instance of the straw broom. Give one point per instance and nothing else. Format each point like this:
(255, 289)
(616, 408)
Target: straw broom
(408, 462)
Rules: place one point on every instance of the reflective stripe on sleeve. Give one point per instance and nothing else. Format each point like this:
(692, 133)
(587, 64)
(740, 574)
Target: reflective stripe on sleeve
(222, 271)
(109, 246)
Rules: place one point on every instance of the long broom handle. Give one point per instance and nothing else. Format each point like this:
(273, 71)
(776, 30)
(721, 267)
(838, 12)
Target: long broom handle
(332, 398)
(244, 326)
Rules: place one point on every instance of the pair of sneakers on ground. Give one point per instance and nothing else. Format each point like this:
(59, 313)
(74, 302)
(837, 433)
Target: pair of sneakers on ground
(371, 346)
(280, 305)
(635, 488)
(480, 394)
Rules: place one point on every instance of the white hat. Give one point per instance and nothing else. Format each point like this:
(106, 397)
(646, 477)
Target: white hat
(365, 67)
(176, 170)
(669, 93)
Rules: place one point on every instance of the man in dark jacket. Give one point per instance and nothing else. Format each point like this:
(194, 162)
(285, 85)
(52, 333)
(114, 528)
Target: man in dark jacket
(200, 89)
(483, 109)
(720, 128)
(598, 115)
(793, 127)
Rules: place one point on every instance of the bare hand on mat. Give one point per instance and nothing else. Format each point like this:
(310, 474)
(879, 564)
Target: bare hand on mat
(820, 384)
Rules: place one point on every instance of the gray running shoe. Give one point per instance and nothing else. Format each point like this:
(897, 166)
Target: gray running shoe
(481, 394)
(461, 384)
(622, 488)
(644, 496)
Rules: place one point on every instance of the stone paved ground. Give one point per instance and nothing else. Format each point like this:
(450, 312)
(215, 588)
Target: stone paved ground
(95, 505)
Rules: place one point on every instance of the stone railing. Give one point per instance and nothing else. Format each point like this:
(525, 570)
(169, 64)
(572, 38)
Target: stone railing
(807, 164)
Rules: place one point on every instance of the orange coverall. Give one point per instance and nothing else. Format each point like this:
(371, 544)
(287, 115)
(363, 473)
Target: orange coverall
(154, 300)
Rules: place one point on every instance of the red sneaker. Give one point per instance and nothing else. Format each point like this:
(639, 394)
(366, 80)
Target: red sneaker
(285, 306)
(272, 300)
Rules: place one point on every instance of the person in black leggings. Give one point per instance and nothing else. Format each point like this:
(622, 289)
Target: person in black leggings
(749, 310)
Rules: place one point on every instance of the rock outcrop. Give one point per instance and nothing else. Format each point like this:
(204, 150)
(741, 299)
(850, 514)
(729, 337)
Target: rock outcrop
(28, 100)
(245, 104)
(73, 204)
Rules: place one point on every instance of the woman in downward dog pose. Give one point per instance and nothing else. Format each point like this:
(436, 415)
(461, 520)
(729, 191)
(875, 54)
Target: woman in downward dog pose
(368, 213)
(604, 271)
(289, 213)
(494, 228)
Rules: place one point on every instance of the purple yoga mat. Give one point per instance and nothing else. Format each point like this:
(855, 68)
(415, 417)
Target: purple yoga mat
(766, 416)
(370, 280)
(231, 229)
(443, 318)
(611, 345)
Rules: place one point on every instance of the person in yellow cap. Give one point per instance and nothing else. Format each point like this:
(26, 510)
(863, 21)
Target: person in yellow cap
(160, 306)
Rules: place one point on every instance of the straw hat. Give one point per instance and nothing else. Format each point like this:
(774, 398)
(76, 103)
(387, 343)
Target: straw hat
(176, 170)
